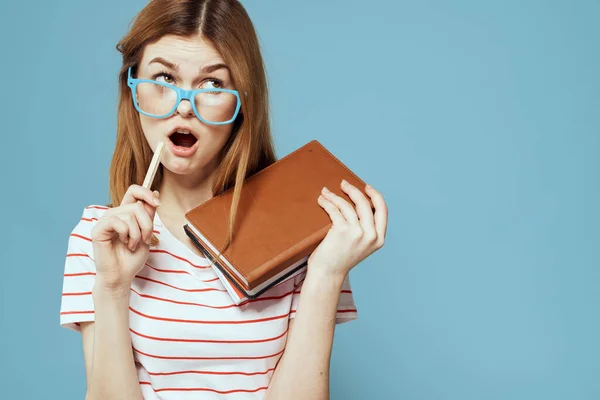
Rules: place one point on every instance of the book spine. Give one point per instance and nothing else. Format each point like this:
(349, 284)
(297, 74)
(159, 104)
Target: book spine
(212, 256)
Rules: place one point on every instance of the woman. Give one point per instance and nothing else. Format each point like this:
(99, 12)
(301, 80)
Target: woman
(156, 323)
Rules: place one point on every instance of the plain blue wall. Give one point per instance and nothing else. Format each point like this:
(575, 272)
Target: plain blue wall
(479, 122)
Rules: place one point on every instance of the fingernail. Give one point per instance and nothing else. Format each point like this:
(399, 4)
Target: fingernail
(344, 182)
(156, 201)
(325, 190)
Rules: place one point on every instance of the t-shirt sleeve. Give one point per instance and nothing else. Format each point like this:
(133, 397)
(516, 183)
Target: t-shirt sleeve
(79, 272)
(346, 310)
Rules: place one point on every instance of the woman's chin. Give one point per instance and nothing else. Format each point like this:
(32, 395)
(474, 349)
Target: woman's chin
(195, 164)
(180, 166)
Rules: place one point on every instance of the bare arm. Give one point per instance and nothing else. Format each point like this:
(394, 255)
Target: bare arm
(303, 370)
(109, 363)
(121, 240)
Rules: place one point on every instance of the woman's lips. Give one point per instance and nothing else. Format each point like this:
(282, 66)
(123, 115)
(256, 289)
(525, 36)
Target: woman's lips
(182, 151)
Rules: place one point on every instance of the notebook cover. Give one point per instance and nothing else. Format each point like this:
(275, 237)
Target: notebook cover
(279, 220)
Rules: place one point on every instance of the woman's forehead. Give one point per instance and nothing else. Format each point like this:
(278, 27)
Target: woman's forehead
(184, 52)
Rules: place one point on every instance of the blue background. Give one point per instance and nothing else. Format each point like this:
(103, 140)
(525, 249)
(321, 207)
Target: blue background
(478, 121)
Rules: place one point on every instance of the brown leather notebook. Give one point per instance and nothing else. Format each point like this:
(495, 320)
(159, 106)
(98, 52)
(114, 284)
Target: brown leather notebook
(279, 222)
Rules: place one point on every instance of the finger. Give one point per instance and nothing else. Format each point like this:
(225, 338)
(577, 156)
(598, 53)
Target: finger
(381, 211)
(345, 208)
(107, 227)
(131, 208)
(134, 230)
(151, 209)
(137, 192)
(144, 221)
(363, 206)
(334, 213)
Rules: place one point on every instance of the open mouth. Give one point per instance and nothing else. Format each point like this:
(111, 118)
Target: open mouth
(183, 139)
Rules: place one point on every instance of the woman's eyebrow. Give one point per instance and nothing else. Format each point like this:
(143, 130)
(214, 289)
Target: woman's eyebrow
(207, 69)
(212, 68)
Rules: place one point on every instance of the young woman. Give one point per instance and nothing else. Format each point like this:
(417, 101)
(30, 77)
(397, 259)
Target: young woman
(156, 322)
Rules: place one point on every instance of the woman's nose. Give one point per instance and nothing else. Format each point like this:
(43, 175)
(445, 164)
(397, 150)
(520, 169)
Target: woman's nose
(184, 108)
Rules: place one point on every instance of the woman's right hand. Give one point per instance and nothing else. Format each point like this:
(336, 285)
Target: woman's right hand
(121, 238)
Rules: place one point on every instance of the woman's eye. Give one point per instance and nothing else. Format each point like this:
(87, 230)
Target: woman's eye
(166, 77)
(212, 84)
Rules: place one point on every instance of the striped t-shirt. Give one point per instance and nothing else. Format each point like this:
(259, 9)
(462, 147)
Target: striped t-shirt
(189, 339)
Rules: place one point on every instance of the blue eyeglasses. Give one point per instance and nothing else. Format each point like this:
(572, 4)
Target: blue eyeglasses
(214, 106)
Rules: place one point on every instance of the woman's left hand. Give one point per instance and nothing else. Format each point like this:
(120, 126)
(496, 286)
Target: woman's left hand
(355, 233)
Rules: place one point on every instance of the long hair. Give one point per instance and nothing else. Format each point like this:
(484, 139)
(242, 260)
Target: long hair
(226, 25)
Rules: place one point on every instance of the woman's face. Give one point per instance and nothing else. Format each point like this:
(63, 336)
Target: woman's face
(189, 63)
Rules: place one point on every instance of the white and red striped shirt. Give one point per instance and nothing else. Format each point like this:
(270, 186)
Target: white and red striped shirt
(188, 337)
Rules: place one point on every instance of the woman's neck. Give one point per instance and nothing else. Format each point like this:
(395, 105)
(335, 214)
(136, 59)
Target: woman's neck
(180, 193)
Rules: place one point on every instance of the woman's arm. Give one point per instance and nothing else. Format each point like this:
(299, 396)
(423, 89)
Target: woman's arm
(303, 370)
(121, 244)
(110, 368)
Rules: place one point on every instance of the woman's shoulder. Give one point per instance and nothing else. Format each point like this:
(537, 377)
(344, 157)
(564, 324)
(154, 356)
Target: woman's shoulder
(88, 217)
(80, 238)
(95, 210)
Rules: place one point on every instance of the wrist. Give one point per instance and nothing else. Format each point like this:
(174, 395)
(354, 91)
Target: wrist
(320, 294)
(323, 279)
(109, 289)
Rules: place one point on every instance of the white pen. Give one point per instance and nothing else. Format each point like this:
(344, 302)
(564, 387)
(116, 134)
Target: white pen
(153, 166)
